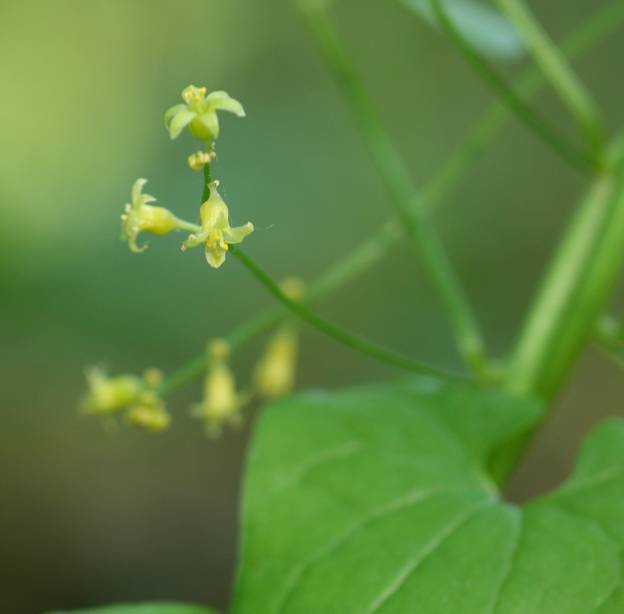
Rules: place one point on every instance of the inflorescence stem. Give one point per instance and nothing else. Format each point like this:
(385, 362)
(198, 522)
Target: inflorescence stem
(350, 340)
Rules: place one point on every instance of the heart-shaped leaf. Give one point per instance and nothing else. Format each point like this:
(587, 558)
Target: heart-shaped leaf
(378, 499)
(485, 28)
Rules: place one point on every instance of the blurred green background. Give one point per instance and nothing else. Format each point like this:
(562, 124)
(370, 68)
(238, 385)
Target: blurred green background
(89, 516)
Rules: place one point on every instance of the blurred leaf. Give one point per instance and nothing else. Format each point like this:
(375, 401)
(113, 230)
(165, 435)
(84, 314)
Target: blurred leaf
(616, 354)
(377, 499)
(483, 26)
(145, 608)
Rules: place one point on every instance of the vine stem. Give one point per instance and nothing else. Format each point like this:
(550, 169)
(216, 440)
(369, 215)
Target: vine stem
(373, 249)
(541, 128)
(346, 338)
(563, 317)
(554, 66)
(396, 177)
(578, 283)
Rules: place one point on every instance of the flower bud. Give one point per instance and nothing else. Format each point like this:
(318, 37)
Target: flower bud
(274, 375)
(222, 403)
(198, 160)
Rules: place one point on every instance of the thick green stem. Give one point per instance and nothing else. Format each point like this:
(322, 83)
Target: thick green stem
(336, 333)
(582, 275)
(405, 197)
(557, 70)
(540, 127)
(563, 317)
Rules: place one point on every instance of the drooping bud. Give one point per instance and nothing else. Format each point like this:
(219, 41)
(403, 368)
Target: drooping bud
(222, 403)
(274, 375)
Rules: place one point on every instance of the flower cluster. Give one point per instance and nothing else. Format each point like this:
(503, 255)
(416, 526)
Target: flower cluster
(273, 377)
(137, 397)
(199, 115)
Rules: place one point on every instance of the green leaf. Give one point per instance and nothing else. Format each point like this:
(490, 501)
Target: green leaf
(378, 499)
(487, 30)
(145, 608)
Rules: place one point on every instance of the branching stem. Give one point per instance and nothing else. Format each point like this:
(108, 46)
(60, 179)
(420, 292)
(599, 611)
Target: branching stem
(540, 127)
(405, 197)
(558, 72)
(346, 338)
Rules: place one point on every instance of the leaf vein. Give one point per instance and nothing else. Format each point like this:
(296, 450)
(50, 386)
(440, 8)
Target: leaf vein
(396, 505)
(513, 554)
(297, 474)
(412, 565)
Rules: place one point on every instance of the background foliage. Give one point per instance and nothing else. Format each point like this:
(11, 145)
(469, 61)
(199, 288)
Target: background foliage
(85, 85)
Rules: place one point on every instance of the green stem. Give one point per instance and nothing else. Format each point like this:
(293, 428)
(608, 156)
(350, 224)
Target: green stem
(516, 105)
(575, 289)
(188, 226)
(206, 186)
(336, 333)
(558, 72)
(361, 259)
(437, 189)
(407, 201)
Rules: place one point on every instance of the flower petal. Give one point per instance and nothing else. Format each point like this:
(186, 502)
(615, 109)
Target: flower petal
(215, 255)
(221, 100)
(211, 122)
(236, 235)
(180, 121)
(171, 112)
(144, 199)
(137, 188)
(193, 240)
(130, 233)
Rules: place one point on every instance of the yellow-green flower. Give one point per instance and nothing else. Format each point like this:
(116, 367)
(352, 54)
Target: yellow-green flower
(139, 216)
(216, 233)
(274, 375)
(107, 395)
(222, 403)
(138, 396)
(149, 413)
(199, 113)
